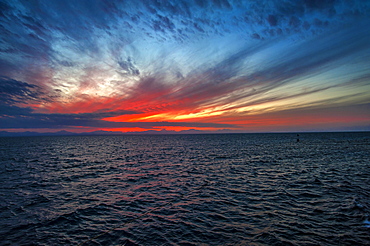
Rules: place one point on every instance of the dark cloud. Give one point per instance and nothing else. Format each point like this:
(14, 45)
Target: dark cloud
(201, 3)
(17, 117)
(7, 110)
(163, 23)
(4, 9)
(221, 3)
(128, 67)
(319, 4)
(56, 121)
(272, 20)
(294, 22)
(67, 63)
(14, 91)
(359, 80)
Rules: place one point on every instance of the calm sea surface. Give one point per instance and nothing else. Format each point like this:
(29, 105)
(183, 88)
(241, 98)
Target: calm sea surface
(229, 189)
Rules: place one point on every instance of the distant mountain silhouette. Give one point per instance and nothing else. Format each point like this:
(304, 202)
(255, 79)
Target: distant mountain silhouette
(101, 132)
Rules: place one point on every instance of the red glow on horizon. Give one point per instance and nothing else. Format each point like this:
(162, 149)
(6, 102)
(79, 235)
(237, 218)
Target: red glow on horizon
(150, 109)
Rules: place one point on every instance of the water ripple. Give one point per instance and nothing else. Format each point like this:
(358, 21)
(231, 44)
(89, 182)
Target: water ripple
(239, 189)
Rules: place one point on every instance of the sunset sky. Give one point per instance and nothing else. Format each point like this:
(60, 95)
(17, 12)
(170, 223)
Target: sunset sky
(137, 65)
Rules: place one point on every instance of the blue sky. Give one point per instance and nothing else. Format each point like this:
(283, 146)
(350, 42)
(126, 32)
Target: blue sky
(246, 66)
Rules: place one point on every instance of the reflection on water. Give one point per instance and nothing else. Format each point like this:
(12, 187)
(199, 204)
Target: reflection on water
(261, 189)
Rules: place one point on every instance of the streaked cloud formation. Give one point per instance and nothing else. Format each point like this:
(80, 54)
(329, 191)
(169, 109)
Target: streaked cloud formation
(202, 64)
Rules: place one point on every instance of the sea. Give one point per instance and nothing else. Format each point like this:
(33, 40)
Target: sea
(205, 189)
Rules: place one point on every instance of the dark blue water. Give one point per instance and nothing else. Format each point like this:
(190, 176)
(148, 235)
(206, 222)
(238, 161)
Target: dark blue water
(232, 189)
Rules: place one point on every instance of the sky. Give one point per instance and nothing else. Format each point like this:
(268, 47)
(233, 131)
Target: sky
(211, 65)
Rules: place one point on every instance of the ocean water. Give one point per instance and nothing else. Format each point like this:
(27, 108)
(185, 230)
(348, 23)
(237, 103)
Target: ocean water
(227, 189)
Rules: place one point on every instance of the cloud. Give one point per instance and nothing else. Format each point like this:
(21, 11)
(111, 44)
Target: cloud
(11, 111)
(13, 91)
(25, 120)
(17, 117)
(319, 4)
(232, 84)
(41, 22)
(128, 67)
(231, 80)
(55, 32)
